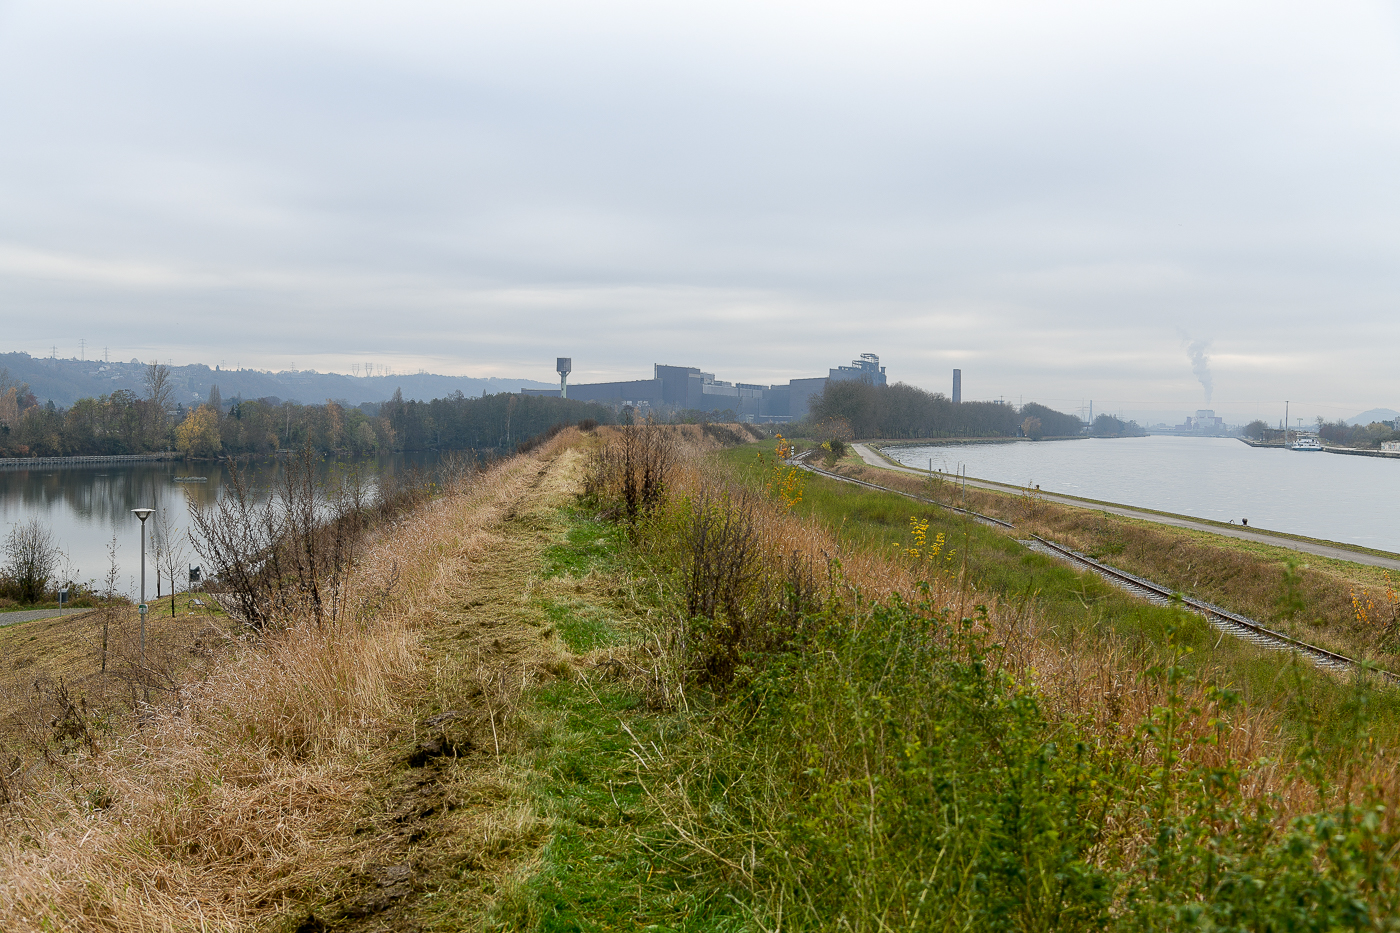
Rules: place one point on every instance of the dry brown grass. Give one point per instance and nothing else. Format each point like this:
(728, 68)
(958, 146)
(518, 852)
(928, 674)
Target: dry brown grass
(303, 767)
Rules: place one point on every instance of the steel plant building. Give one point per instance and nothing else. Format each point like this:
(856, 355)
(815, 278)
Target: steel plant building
(681, 388)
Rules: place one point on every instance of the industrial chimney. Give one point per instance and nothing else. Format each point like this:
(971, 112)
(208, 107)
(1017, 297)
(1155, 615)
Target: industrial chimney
(563, 366)
(957, 386)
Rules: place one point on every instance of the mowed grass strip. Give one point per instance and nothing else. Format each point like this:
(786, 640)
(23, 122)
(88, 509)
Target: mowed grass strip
(605, 864)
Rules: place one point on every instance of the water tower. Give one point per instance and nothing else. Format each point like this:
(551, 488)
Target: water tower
(563, 366)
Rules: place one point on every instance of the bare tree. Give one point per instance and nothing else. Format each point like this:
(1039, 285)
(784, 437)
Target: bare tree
(236, 537)
(170, 553)
(109, 596)
(158, 386)
(159, 395)
(31, 558)
(288, 553)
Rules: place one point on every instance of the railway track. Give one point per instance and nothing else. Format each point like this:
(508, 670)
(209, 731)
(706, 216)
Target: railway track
(1223, 620)
(800, 461)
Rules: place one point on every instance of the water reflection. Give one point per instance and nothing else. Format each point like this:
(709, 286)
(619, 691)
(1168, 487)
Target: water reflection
(85, 507)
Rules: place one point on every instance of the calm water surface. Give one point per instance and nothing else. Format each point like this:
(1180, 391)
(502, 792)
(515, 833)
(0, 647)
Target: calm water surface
(1330, 496)
(84, 508)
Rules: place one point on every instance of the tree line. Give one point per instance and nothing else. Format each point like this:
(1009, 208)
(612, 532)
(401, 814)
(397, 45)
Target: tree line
(127, 423)
(1364, 436)
(905, 411)
(491, 423)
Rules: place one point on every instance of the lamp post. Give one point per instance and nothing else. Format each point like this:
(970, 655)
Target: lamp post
(143, 514)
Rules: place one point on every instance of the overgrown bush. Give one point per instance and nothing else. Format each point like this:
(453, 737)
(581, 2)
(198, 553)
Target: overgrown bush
(632, 469)
(890, 772)
(293, 550)
(736, 603)
(549, 434)
(31, 559)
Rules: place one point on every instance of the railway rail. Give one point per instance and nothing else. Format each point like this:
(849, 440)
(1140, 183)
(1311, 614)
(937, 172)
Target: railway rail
(1223, 620)
(800, 461)
(1231, 623)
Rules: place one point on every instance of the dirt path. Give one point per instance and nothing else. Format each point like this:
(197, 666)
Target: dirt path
(877, 460)
(367, 773)
(451, 825)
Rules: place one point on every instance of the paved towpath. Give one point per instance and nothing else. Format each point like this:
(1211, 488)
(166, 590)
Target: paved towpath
(875, 459)
(29, 615)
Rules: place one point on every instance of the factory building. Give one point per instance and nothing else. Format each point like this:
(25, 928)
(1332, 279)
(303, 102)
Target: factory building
(678, 388)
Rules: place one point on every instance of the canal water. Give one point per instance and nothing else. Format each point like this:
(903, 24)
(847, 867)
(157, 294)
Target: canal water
(1355, 500)
(85, 507)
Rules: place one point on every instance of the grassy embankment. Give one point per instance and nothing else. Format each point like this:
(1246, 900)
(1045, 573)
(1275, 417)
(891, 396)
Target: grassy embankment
(811, 784)
(713, 718)
(1347, 607)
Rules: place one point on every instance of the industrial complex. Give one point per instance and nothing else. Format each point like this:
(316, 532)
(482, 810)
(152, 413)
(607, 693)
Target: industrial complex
(681, 388)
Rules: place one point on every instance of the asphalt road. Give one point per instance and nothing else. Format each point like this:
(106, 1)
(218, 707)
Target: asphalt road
(29, 615)
(1262, 537)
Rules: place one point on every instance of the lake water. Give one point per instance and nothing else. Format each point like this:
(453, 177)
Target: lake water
(1330, 496)
(85, 507)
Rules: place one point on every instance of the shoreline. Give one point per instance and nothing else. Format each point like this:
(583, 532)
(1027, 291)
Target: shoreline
(1340, 550)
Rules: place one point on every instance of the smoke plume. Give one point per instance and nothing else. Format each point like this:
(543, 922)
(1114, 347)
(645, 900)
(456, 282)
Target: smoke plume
(1200, 365)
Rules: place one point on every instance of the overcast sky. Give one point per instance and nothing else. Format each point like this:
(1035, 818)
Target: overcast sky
(1061, 199)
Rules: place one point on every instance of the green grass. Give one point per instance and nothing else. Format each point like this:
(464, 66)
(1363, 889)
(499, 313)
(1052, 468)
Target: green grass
(1079, 605)
(882, 772)
(583, 625)
(604, 867)
(589, 546)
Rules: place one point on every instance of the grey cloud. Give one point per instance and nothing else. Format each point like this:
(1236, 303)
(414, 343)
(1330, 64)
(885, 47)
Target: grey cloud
(481, 190)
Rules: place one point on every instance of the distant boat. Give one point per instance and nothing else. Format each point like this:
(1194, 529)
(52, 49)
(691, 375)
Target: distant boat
(191, 479)
(1306, 442)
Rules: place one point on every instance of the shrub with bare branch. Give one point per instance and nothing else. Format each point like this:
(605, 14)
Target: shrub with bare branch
(235, 536)
(293, 552)
(31, 559)
(634, 467)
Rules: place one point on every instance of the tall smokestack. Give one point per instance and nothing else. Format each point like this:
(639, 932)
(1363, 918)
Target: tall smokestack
(957, 386)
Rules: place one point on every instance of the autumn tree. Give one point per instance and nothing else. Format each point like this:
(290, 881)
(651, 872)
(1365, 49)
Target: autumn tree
(9, 407)
(13, 397)
(198, 434)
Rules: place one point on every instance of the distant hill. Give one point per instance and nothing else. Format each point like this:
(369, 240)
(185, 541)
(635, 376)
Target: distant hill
(66, 381)
(1375, 414)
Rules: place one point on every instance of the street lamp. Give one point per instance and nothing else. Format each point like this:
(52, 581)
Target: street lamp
(143, 514)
